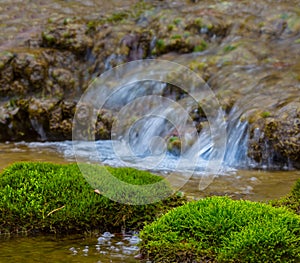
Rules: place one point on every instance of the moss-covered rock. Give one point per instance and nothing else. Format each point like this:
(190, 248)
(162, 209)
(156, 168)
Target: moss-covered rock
(69, 35)
(218, 229)
(291, 201)
(44, 197)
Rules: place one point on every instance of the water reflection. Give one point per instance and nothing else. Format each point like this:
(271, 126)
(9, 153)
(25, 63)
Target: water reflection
(117, 248)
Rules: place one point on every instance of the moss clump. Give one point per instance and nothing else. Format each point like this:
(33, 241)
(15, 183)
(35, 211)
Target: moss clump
(218, 229)
(174, 145)
(126, 185)
(45, 197)
(291, 201)
(265, 114)
(199, 48)
(118, 16)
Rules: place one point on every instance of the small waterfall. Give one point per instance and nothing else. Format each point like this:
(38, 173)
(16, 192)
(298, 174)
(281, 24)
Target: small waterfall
(148, 123)
(237, 140)
(38, 128)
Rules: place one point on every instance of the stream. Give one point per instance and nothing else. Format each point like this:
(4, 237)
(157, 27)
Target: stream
(252, 64)
(256, 185)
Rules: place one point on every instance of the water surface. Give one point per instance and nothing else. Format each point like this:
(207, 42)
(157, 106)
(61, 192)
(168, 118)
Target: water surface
(66, 249)
(248, 184)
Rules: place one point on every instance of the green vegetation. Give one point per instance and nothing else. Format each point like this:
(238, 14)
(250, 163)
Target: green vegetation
(177, 21)
(126, 185)
(174, 145)
(45, 197)
(265, 114)
(118, 16)
(199, 48)
(297, 41)
(134, 12)
(176, 36)
(160, 43)
(291, 201)
(229, 48)
(170, 27)
(218, 229)
(50, 39)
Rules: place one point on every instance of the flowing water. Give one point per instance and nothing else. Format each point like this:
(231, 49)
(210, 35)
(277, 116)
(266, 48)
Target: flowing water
(249, 184)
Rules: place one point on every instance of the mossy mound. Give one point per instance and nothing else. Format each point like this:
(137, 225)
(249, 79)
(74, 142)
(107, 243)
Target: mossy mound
(45, 197)
(218, 229)
(291, 201)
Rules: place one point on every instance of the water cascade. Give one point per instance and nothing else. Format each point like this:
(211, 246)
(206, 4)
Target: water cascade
(157, 130)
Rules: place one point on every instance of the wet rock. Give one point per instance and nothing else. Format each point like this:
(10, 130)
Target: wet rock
(60, 121)
(63, 78)
(276, 139)
(174, 145)
(14, 121)
(69, 35)
(104, 123)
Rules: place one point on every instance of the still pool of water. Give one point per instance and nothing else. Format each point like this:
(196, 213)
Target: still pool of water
(68, 249)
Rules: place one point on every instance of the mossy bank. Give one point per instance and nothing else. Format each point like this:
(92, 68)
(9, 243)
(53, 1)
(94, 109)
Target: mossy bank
(291, 200)
(218, 229)
(45, 198)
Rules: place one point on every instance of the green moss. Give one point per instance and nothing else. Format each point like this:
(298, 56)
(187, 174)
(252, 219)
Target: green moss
(176, 36)
(199, 48)
(229, 48)
(291, 201)
(296, 191)
(118, 16)
(56, 198)
(160, 45)
(177, 21)
(126, 185)
(50, 39)
(67, 20)
(170, 27)
(198, 22)
(297, 41)
(265, 114)
(218, 229)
